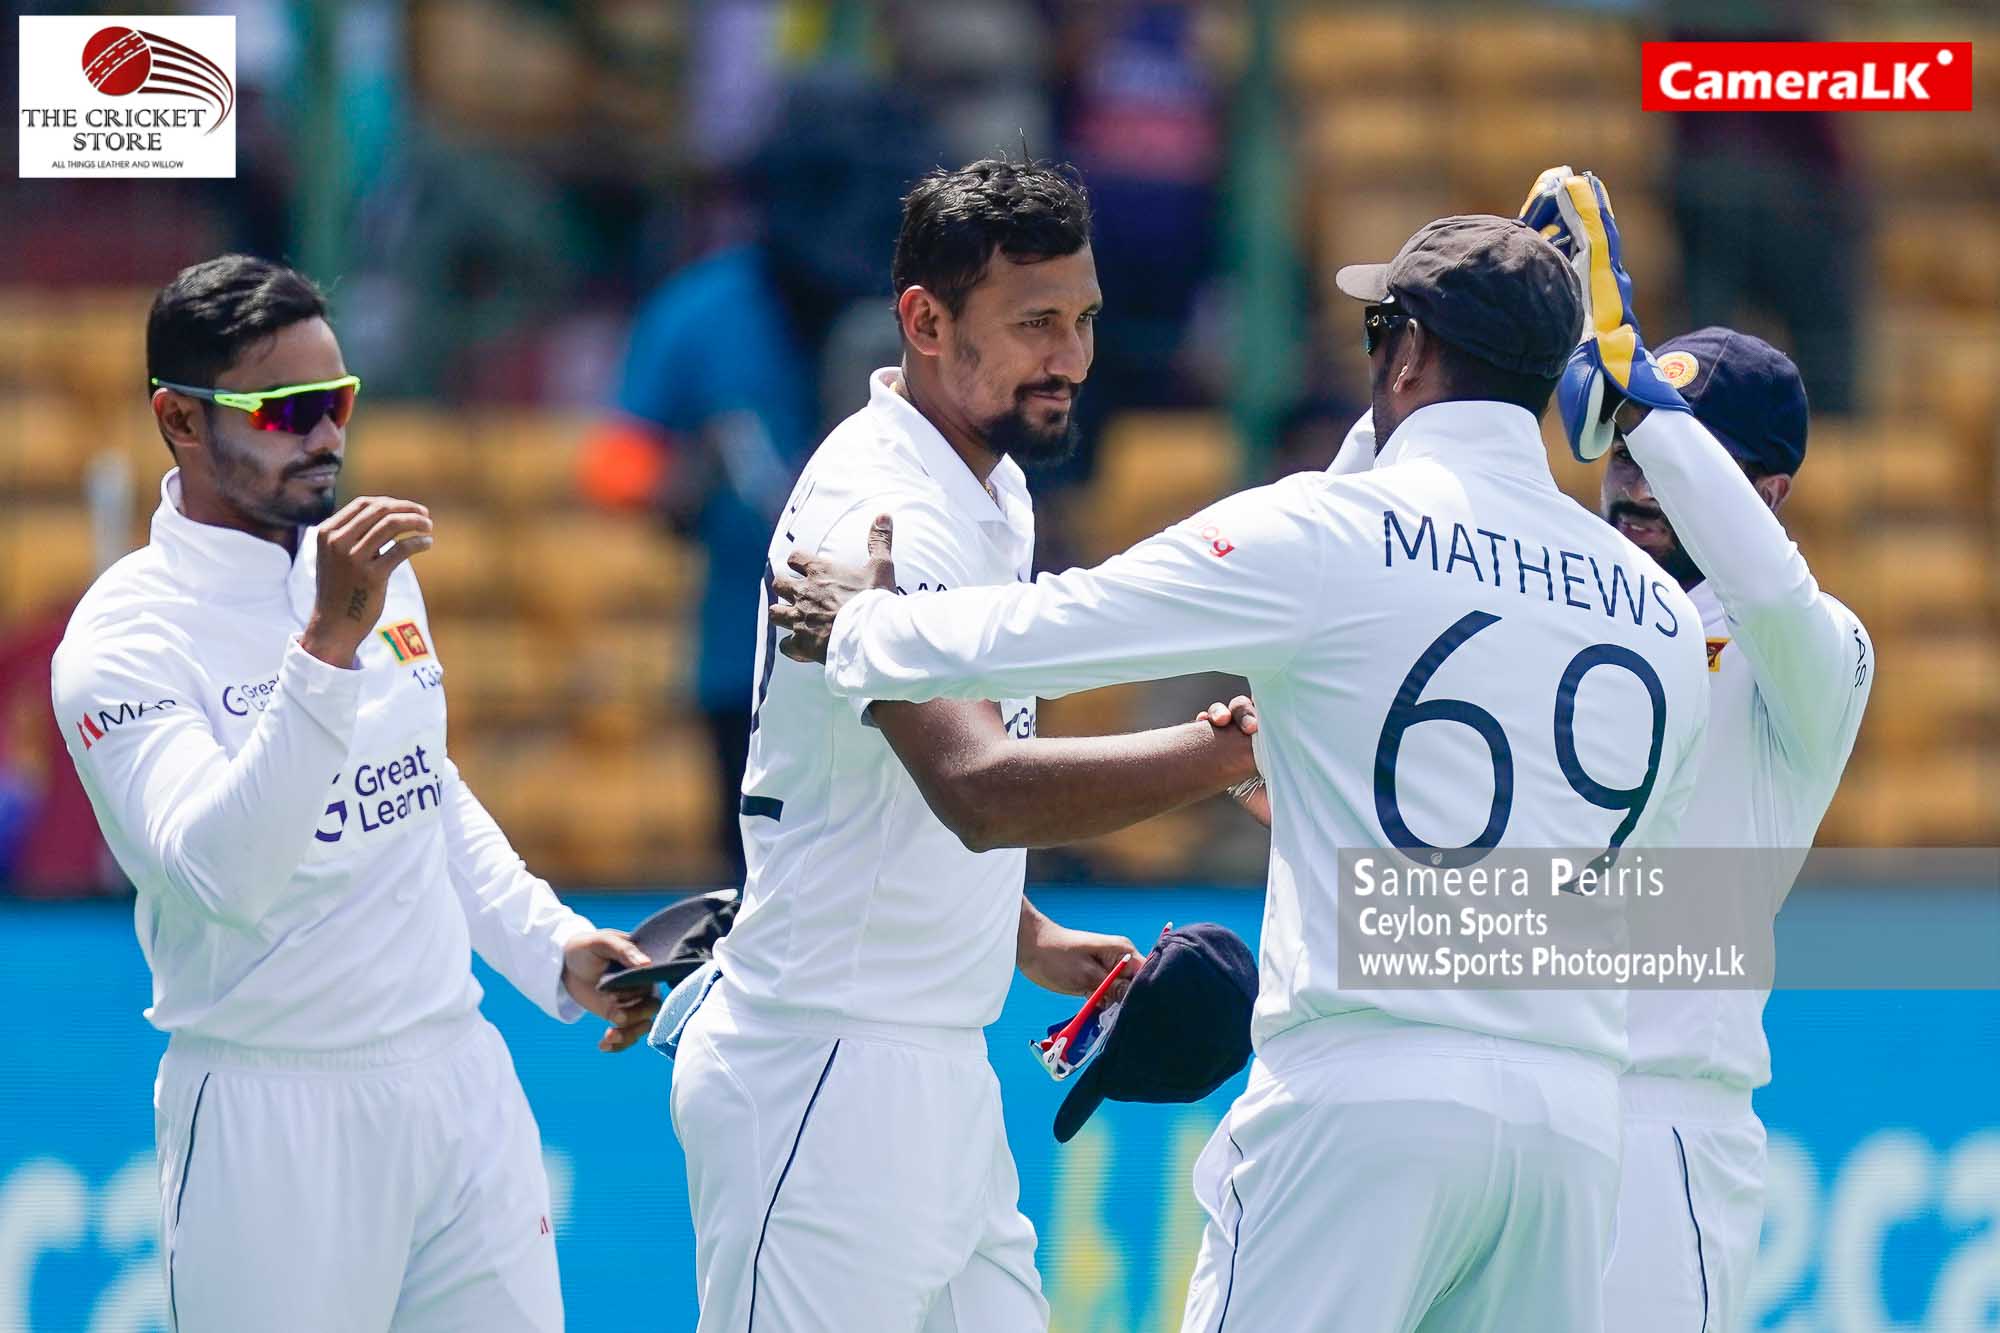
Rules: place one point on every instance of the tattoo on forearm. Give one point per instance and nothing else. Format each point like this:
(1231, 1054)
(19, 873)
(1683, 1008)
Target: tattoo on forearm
(357, 602)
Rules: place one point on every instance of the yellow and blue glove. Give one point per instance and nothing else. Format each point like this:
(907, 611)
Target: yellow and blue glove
(1612, 362)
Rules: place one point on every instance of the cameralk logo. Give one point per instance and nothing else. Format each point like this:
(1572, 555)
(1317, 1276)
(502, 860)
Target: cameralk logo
(135, 95)
(1807, 76)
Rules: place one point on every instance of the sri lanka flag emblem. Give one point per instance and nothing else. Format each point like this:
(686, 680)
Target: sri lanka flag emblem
(405, 640)
(1715, 647)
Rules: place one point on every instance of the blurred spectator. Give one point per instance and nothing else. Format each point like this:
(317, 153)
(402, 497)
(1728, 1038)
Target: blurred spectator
(1765, 206)
(1310, 434)
(981, 68)
(1142, 120)
(721, 400)
(49, 843)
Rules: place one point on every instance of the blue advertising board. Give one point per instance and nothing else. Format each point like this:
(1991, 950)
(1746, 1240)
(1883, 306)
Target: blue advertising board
(1884, 1211)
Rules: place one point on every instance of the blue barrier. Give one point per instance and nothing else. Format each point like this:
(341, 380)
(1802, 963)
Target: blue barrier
(1885, 1146)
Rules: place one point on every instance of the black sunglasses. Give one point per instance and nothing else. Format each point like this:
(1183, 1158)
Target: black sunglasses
(1376, 321)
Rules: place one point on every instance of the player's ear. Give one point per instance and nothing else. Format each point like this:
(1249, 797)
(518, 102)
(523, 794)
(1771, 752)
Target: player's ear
(922, 316)
(179, 418)
(1411, 355)
(1773, 487)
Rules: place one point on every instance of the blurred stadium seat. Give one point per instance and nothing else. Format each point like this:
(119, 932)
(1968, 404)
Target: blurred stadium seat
(46, 557)
(1152, 469)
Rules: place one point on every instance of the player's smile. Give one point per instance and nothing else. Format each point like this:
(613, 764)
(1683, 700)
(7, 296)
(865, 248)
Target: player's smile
(1644, 525)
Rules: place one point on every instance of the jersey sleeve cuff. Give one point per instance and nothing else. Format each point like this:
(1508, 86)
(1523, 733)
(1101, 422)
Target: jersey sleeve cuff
(846, 666)
(566, 1009)
(330, 694)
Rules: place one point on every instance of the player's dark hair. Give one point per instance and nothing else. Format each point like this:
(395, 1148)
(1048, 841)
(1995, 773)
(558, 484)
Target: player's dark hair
(202, 321)
(954, 221)
(1471, 377)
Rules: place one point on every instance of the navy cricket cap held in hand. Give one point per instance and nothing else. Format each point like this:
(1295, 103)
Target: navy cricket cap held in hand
(1747, 392)
(679, 938)
(1183, 1029)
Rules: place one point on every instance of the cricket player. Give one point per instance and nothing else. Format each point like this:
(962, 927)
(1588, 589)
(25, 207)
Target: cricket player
(256, 708)
(848, 1168)
(1789, 674)
(1448, 656)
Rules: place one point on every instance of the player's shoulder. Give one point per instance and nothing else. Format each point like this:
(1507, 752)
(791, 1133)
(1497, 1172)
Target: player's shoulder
(134, 618)
(1858, 636)
(134, 590)
(862, 461)
(1845, 614)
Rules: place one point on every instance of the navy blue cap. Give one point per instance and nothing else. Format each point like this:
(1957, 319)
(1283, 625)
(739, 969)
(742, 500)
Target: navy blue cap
(1747, 392)
(679, 938)
(1183, 1030)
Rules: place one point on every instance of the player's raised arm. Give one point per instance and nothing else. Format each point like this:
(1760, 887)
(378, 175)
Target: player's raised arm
(1234, 588)
(227, 832)
(224, 833)
(1811, 656)
(989, 785)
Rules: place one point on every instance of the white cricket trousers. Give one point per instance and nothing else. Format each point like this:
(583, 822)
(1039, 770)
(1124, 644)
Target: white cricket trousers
(848, 1177)
(1690, 1207)
(391, 1188)
(1378, 1176)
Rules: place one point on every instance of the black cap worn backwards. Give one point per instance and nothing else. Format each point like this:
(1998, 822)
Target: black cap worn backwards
(1747, 392)
(1183, 1030)
(1490, 285)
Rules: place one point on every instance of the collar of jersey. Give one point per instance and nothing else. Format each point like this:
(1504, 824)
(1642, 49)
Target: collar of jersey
(1495, 436)
(941, 461)
(215, 557)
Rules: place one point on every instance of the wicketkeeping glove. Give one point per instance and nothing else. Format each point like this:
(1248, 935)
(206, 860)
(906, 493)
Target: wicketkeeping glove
(1612, 362)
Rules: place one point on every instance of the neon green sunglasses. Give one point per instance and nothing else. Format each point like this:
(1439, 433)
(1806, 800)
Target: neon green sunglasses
(294, 409)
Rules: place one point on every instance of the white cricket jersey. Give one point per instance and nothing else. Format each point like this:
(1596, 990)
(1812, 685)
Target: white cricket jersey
(311, 870)
(1455, 570)
(1789, 678)
(859, 903)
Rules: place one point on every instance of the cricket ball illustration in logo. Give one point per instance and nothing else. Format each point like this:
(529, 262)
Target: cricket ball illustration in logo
(121, 61)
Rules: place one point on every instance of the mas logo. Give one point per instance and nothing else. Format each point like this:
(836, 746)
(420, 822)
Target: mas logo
(94, 726)
(148, 95)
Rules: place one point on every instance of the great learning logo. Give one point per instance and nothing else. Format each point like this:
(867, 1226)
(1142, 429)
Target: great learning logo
(132, 95)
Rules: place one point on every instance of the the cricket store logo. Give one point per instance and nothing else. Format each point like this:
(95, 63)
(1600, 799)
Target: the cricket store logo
(132, 95)
(1807, 76)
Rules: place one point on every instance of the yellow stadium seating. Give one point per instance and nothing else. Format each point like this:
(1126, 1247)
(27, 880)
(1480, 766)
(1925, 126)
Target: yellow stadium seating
(528, 461)
(46, 558)
(1371, 141)
(1358, 48)
(1899, 574)
(1944, 254)
(1946, 688)
(425, 454)
(46, 445)
(575, 568)
(1152, 469)
(469, 570)
(640, 809)
(499, 673)
(1937, 797)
